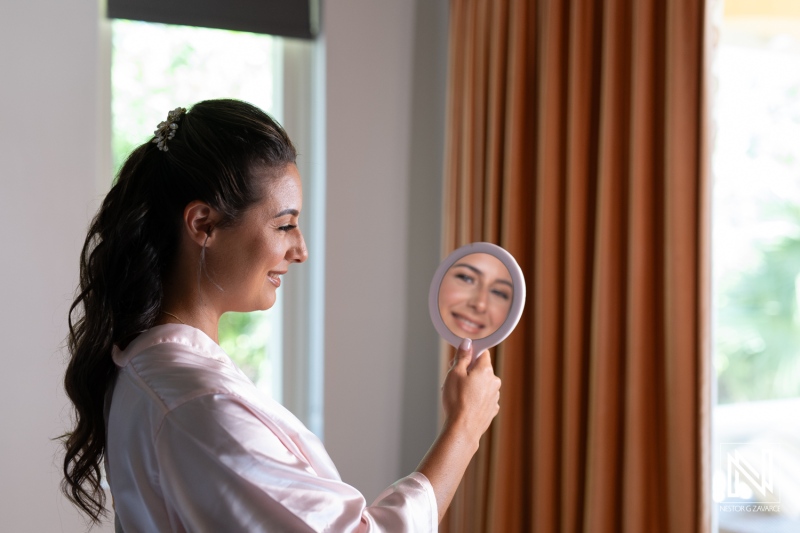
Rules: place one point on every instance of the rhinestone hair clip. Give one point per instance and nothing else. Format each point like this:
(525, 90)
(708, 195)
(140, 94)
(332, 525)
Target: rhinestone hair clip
(166, 130)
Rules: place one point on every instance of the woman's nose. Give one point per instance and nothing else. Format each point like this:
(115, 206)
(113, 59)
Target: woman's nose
(299, 252)
(478, 300)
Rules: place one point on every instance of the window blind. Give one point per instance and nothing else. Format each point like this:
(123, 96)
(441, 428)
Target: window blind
(285, 18)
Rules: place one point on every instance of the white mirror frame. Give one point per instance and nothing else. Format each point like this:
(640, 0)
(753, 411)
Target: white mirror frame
(517, 302)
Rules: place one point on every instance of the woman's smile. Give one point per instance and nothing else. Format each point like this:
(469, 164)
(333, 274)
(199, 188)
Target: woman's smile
(274, 278)
(471, 326)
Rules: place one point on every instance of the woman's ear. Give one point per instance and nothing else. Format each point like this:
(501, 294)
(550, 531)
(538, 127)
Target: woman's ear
(199, 221)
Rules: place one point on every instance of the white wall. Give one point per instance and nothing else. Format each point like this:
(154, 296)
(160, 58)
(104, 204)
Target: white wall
(48, 65)
(385, 97)
(385, 68)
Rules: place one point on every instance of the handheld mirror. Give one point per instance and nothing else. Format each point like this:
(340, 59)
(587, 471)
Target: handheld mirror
(478, 292)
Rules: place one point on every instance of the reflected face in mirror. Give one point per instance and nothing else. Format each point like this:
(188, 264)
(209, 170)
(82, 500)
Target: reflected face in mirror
(475, 296)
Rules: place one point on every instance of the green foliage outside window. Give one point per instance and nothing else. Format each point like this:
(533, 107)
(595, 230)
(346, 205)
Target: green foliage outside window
(759, 326)
(245, 337)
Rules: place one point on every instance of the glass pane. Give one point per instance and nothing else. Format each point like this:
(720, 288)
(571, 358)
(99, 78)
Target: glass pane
(756, 258)
(157, 67)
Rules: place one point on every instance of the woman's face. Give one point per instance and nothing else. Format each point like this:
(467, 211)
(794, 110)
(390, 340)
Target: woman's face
(475, 296)
(250, 257)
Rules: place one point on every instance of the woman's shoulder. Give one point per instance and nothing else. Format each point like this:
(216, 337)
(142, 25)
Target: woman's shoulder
(179, 338)
(176, 365)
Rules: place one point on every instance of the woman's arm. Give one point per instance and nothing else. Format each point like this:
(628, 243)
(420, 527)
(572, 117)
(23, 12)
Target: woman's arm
(470, 397)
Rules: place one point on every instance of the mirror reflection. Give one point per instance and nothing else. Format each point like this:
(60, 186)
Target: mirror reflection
(475, 296)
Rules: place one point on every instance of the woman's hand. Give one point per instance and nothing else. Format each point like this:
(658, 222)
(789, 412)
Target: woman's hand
(470, 395)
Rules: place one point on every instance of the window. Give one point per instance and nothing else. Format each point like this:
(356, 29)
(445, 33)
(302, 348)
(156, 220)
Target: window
(756, 268)
(157, 67)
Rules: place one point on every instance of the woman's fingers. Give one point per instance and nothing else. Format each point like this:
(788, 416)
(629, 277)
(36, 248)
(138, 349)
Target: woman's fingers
(482, 362)
(465, 361)
(464, 354)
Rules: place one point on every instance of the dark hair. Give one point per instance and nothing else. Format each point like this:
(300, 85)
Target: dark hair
(217, 150)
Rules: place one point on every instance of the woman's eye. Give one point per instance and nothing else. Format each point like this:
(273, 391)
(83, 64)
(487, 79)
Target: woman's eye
(287, 227)
(502, 294)
(465, 278)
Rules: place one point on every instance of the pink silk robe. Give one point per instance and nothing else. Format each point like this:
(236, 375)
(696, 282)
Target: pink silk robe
(194, 446)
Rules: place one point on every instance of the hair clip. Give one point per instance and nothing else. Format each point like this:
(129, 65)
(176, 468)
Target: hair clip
(166, 130)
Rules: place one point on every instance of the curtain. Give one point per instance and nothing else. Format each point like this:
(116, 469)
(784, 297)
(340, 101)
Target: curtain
(576, 139)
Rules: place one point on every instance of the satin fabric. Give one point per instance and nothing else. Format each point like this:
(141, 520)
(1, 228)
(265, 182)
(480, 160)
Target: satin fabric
(193, 445)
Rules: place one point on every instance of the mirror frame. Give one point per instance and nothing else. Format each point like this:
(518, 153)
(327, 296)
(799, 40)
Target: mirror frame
(517, 303)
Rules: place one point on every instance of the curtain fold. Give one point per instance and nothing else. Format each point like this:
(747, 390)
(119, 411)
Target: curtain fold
(576, 140)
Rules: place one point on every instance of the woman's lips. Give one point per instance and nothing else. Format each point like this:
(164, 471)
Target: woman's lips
(274, 278)
(467, 325)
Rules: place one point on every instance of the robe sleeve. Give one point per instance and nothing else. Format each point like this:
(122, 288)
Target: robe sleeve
(223, 468)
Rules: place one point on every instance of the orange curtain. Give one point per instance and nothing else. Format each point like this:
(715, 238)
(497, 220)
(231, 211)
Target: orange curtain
(576, 140)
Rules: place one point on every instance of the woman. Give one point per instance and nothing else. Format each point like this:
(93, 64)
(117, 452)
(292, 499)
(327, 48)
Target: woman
(201, 221)
(475, 296)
